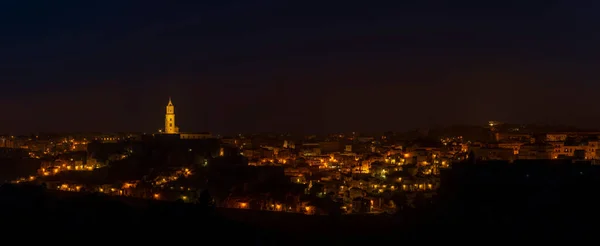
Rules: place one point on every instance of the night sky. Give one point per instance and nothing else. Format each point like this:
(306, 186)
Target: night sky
(296, 66)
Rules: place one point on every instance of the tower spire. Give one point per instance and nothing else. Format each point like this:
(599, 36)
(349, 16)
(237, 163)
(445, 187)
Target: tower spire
(170, 127)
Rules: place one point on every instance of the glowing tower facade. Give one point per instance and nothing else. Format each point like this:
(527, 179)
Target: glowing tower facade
(170, 127)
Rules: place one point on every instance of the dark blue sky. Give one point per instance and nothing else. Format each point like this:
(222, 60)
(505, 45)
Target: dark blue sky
(310, 66)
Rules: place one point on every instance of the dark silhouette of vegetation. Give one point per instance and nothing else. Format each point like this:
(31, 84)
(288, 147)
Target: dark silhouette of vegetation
(205, 199)
(471, 157)
(400, 201)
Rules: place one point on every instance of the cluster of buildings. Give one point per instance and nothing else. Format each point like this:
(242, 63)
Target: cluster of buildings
(354, 172)
(514, 144)
(343, 172)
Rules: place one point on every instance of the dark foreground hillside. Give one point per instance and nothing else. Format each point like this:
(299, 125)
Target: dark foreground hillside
(30, 212)
(66, 216)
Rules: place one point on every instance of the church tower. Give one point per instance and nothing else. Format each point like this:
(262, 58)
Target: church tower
(170, 127)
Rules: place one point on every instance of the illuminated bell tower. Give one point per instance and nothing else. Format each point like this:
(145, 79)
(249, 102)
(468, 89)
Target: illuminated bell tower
(170, 127)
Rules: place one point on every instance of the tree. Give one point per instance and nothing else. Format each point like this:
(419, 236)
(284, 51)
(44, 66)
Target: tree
(471, 157)
(400, 200)
(205, 199)
(420, 201)
(333, 208)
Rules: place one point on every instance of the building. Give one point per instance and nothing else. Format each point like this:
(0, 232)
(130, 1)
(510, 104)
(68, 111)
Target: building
(494, 153)
(170, 127)
(7, 142)
(512, 137)
(583, 149)
(199, 135)
(536, 151)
